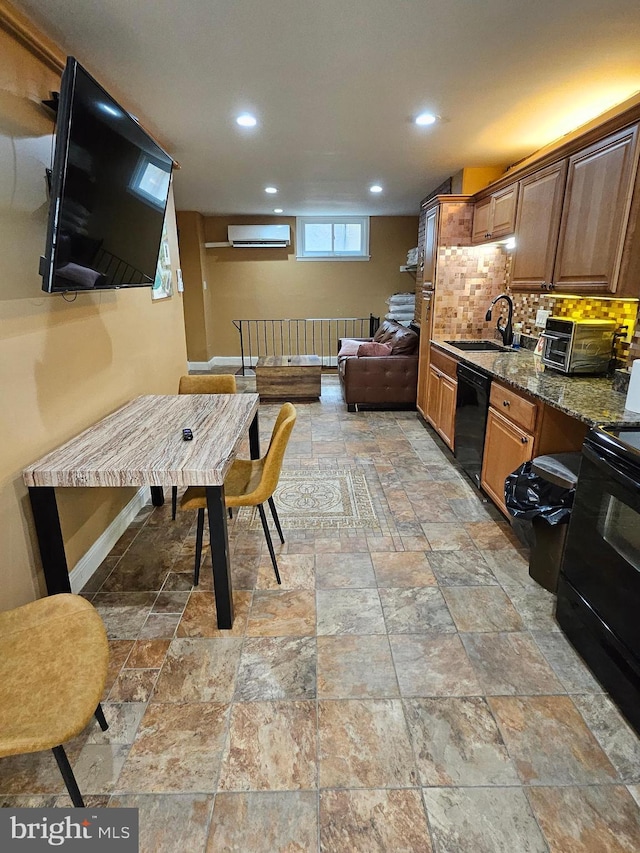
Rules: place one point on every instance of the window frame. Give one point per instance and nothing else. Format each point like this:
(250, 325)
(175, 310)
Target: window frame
(303, 255)
(145, 160)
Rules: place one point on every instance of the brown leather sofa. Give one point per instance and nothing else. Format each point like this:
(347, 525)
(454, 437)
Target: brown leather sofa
(387, 381)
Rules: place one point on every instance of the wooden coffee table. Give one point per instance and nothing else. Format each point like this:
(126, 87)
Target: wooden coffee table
(288, 377)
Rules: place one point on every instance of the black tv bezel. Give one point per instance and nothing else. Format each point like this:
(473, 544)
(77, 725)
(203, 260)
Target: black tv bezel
(58, 174)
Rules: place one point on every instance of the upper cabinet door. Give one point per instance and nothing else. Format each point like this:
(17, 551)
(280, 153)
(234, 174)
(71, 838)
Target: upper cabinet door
(430, 247)
(504, 212)
(537, 226)
(495, 216)
(595, 214)
(481, 221)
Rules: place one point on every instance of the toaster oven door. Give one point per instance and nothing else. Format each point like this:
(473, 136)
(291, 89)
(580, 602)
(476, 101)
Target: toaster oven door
(557, 350)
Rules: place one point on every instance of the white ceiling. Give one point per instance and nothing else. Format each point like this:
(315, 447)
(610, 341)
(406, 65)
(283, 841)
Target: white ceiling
(335, 84)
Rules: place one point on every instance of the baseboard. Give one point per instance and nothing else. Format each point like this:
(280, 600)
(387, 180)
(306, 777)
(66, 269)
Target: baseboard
(236, 361)
(216, 361)
(89, 562)
(232, 361)
(199, 365)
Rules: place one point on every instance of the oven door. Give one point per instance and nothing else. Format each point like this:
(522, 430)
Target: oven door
(602, 555)
(556, 351)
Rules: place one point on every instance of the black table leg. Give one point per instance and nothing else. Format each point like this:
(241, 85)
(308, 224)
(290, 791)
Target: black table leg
(219, 543)
(157, 495)
(254, 438)
(50, 542)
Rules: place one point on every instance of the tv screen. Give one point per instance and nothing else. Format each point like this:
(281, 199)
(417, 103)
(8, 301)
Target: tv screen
(109, 189)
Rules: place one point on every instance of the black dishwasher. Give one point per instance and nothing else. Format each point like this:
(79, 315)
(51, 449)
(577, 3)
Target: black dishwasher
(472, 404)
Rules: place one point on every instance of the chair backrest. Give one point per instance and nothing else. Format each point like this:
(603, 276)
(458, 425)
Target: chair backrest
(272, 461)
(221, 383)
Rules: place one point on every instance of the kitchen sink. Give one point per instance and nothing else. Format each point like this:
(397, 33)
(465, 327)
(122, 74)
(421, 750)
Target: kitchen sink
(479, 346)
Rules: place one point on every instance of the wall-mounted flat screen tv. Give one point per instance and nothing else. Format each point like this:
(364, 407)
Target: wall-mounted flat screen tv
(109, 190)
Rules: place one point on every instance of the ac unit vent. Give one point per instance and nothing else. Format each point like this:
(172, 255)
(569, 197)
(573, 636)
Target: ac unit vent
(259, 236)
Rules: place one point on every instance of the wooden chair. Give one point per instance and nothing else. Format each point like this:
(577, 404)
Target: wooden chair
(221, 383)
(250, 482)
(53, 668)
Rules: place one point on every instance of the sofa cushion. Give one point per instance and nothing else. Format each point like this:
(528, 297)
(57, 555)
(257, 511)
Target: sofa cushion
(404, 342)
(386, 330)
(373, 348)
(349, 347)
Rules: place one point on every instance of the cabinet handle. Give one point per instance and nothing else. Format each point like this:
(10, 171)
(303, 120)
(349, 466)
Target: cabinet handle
(524, 439)
(543, 285)
(551, 285)
(506, 403)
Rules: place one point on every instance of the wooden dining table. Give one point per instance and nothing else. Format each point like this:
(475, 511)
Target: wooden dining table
(142, 444)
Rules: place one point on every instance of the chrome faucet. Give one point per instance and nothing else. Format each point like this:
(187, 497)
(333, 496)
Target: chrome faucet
(506, 330)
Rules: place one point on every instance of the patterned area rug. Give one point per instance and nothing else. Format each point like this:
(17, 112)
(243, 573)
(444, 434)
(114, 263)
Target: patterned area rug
(334, 499)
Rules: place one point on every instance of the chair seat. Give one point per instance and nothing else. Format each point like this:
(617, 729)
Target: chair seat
(249, 482)
(53, 666)
(242, 481)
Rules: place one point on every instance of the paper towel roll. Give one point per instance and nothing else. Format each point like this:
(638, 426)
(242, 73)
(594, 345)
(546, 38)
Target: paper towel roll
(632, 403)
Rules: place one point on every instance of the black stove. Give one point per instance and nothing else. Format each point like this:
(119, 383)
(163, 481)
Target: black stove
(599, 587)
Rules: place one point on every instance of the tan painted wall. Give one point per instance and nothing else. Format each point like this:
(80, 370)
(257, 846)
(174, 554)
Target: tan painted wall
(62, 365)
(190, 226)
(270, 283)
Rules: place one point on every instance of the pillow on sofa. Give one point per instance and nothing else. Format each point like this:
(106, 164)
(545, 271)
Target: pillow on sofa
(349, 347)
(373, 348)
(404, 342)
(385, 331)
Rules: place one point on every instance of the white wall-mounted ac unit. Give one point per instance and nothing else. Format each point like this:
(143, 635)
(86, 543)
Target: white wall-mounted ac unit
(259, 236)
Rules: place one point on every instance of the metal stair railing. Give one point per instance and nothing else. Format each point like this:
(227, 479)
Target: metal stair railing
(305, 336)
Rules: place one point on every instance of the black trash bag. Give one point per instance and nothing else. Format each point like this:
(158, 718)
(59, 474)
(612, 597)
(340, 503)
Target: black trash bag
(529, 496)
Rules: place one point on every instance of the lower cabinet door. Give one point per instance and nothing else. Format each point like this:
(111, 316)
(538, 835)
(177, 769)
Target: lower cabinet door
(432, 411)
(506, 447)
(446, 425)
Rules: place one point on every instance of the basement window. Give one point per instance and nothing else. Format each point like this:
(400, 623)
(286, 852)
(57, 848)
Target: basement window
(332, 238)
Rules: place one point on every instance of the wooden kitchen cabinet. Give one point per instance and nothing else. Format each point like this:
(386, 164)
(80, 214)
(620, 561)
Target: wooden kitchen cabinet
(445, 220)
(442, 390)
(596, 215)
(447, 415)
(519, 428)
(430, 247)
(432, 399)
(494, 216)
(537, 227)
(506, 447)
(422, 395)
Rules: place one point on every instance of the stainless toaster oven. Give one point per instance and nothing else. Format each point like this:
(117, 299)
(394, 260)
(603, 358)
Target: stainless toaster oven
(578, 346)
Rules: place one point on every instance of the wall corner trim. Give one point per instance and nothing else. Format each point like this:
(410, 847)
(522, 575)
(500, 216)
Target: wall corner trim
(89, 562)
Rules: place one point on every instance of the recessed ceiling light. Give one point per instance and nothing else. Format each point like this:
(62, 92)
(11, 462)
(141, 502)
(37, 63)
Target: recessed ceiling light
(277, 210)
(271, 190)
(247, 120)
(425, 119)
(376, 188)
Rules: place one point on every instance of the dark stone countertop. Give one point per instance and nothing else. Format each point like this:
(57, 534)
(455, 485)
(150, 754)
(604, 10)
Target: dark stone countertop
(590, 399)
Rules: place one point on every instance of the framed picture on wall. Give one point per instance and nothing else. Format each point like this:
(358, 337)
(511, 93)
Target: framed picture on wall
(163, 283)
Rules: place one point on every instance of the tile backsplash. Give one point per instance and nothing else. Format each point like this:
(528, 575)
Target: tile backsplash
(625, 312)
(468, 277)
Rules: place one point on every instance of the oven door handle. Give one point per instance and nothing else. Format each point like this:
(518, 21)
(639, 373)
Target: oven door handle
(609, 466)
(558, 337)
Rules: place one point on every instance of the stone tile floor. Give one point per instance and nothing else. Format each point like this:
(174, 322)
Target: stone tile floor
(406, 689)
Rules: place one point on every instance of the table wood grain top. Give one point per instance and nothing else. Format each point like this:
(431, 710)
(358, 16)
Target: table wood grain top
(269, 361)
(141, 444)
